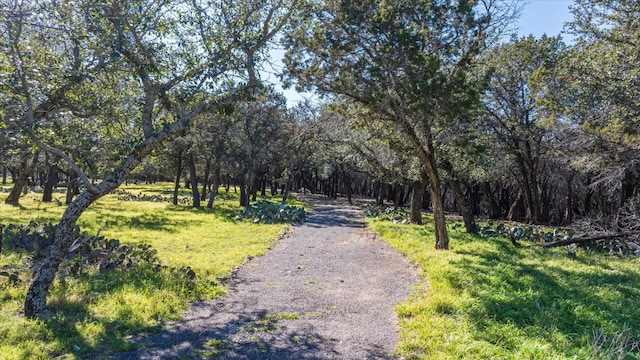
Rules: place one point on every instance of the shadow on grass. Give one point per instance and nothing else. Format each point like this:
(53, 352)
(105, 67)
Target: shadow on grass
(76, 312)
(222, 211)
(545, 298)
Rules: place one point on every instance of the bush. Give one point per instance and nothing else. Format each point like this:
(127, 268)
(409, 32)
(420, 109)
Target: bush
(267, 212)
(387, 213)
(86, 252)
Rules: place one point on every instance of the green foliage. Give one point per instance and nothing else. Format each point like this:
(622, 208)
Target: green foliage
(490, 300)
(267, 212)
(29, 238)
(124, 195)
(388, 213)
(527, 233)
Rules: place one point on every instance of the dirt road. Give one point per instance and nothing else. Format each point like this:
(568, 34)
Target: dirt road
(326, 291)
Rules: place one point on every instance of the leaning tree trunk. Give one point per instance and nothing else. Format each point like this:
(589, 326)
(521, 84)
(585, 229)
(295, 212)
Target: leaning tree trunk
(35, 302)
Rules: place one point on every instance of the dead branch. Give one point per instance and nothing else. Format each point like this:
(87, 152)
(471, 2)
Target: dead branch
(581, 240)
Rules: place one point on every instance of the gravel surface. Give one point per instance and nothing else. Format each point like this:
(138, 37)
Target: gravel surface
(325, 291)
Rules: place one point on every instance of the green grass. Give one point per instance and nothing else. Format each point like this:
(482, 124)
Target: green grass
(486, 299)
(95, 312)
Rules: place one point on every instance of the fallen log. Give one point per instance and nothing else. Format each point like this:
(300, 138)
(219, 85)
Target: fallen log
(581, 240)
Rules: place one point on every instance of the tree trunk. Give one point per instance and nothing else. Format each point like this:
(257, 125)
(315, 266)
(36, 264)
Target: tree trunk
(568, 212)
(18, 184)
(176, 186)
(50, 181)
(254, 188)
(285, 191)
(463, 206)
(205, 179)
(517, 209)
(263, 187)
(194, 181)
(72, 187)
(439, 220)
(442, 237)
(347, 184)
(4, 175)
(379, 193)
(65, 233)
(461, 200)
(494, 209)
(417, 192)
(244, 197)
(214, 186)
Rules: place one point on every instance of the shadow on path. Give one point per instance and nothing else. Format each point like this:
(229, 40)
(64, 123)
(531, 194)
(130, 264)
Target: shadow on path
(326, 291)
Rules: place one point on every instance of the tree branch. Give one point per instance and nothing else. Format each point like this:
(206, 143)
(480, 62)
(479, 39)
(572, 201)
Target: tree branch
(581, 240)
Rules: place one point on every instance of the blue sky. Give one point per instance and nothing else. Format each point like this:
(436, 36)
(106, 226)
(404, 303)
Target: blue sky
(538, 17)
(544, 17)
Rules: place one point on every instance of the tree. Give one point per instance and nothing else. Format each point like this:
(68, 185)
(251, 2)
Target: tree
(406, 62)
(594, 100)
(511, 115)
(173, 56)
(254, 140)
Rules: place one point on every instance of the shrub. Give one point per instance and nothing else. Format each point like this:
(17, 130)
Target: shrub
(267, 212)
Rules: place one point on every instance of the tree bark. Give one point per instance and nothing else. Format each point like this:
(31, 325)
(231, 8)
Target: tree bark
(18, 184)
(35, 302)
(215, 185)
(176, 186)
(244, 196)
(72, 187)
(50, 181)
(494, 209)
(379, 193)
(285, 191)
(581, 240)
(194, 181)
(417, 192)
(428, 159)
(568, 212)
(461, 201)
(205, 179)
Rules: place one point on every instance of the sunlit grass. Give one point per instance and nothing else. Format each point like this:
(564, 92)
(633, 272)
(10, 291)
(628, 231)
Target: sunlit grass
(486, 299)
(96, 311)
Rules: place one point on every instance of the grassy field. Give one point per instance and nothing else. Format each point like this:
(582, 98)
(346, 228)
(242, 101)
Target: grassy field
(486, 299)
(96, 311)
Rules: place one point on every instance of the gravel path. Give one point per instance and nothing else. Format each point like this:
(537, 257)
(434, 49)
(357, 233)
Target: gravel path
(326, 291)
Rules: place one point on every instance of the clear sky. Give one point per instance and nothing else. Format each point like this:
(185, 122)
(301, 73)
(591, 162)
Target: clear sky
(545, 17)
(538, 17)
